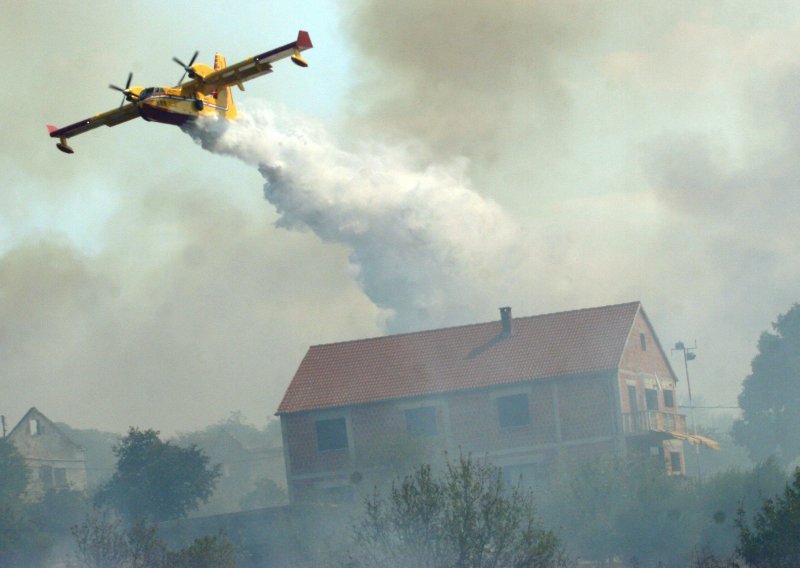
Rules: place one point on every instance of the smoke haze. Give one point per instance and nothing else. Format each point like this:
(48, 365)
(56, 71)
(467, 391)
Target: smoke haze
(545, 155)
(423, 245)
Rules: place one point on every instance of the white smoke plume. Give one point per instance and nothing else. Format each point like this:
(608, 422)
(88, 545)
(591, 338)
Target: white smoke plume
(424, 246)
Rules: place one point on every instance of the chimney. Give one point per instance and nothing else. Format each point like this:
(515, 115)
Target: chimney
(505, 319)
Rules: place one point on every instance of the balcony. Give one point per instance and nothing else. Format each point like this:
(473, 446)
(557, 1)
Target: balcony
(650, 421)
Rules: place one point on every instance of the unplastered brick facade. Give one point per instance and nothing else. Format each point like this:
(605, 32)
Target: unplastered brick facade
(534, 394)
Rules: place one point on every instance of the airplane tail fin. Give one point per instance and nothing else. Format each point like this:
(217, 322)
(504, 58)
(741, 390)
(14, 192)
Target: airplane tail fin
(224, 96)
(219, 62)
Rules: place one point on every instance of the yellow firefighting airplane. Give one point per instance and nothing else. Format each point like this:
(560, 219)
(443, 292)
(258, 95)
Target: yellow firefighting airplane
(207, 93)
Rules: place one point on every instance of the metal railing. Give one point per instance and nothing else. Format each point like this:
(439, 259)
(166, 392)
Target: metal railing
(653, 421)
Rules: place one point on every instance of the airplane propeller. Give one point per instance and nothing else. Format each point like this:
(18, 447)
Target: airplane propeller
(126, 92)
(186, 68)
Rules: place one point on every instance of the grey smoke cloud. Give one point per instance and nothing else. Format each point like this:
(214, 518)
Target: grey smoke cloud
(185, 315)
(653, 143)
(141, 281)
(465, 79)
(638, 150)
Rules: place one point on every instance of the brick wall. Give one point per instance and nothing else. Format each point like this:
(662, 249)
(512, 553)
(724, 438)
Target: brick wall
(639, 367)
(586, 407)
(650, 360)
(466, 420)
(301, 439)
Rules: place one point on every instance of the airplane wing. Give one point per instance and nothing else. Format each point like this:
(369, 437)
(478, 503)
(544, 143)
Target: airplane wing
(111, 118)
(251, 68)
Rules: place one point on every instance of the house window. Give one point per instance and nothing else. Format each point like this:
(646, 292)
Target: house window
(643, 341)
(651, 399)
(669, 400)
(33, 427)
(331, 434)
(512, 411)
(421, 421)
(675, 462)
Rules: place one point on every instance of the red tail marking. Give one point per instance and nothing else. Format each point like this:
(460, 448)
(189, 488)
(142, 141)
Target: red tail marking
(303, 40)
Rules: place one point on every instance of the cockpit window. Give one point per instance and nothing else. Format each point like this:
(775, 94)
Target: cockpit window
(149, 92)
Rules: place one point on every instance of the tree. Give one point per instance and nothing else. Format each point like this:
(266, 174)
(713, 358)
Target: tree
(467, 518)
(770, 395)
(13, 473)
(266, 493)
(101, 543)
(205, 552)
(717, 498)
(239, 445)
(774, 539)
(57, 512)
(612, 508)
(21, 541)
(156, 480)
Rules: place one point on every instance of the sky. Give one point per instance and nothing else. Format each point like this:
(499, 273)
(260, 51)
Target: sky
(431, 164)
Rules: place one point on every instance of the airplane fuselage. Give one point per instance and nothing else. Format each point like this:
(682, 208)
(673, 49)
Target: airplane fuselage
(169, 106)
(207, 93)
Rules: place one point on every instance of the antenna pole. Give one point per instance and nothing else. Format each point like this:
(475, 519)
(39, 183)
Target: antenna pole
(688, 355)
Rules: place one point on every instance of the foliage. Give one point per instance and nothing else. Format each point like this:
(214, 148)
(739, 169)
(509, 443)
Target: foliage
(249, 435)
(705, 559)
(466, 518)
(769, 424)
(58, 511)
(266, 493)
(13, 473)
(774, 539)
(102, 543)
(156, 480)
(21, 541)
(611, 507)
(205, 552)
(241, 447)
(717, 499)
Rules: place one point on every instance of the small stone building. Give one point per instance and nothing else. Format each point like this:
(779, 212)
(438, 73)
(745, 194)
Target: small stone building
(535, 395)
(54, 461)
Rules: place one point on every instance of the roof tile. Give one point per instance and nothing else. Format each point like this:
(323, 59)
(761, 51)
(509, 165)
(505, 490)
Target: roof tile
(456, 358)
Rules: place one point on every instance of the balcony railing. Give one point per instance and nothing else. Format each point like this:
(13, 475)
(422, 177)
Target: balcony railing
(648, 421)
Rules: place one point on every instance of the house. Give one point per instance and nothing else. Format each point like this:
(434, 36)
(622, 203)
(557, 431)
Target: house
(533, 394)
(54, 461)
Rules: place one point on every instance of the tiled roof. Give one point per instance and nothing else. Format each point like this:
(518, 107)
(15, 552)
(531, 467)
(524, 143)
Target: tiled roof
(456, 358)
